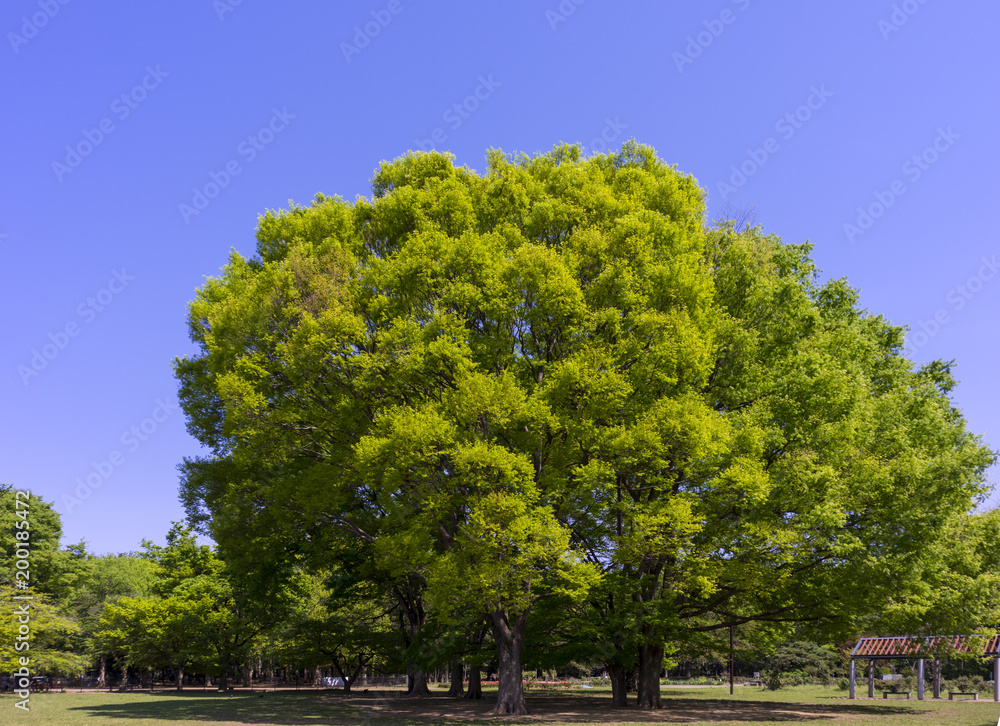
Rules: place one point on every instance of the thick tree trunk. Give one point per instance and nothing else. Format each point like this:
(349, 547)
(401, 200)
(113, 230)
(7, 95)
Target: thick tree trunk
(102, 676)
(457, 689)
(650, 662)
(224, 680)
(509, 636)
(417, 681)
(475, 683)
(180, 678)
(619, 684)
(124, 684)
(413, 612)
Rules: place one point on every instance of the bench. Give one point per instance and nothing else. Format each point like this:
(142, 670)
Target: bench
(952, 694)
(886, 694)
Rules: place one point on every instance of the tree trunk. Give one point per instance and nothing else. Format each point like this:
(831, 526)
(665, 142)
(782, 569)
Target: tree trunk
(102, 676)
(619, 684)
(414, 613)
(650, 662)
(457, 689)
(509, 636)
(475, 683)
(180, 678)
(417, 681)
(124, 684)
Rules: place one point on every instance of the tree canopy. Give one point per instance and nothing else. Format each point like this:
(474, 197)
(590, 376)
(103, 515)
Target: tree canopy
(555, 383)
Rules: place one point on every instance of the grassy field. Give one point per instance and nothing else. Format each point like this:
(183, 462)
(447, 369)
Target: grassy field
(689, 706)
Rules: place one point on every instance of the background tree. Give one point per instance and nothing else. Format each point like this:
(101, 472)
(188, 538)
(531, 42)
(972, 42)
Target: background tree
(345, 625)
(51, 641)
(154, 633)
(54, 570)
(108, 578)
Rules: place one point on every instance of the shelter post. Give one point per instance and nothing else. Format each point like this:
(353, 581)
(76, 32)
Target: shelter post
(853, 672)
(920, 679)
(871, 678)
(732, 661)
(937, 678)
(996, 678)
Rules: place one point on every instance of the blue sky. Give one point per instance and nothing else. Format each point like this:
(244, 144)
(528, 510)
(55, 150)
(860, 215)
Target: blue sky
(142, 141)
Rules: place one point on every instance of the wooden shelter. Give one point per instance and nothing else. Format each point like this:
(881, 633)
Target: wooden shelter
(922, 648)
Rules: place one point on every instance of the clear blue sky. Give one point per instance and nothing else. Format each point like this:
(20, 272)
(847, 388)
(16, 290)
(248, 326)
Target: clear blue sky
(828, 107)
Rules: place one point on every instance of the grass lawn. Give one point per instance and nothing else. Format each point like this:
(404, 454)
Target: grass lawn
(690, 706)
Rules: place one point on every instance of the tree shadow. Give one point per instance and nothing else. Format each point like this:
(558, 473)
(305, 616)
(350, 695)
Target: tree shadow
(293, 708)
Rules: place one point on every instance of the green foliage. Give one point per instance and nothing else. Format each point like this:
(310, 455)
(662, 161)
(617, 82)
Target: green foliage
(812, 660)
(157, 633)
(341, 624)
(181, 560)
(552, 382)
(419, 375)
(959, 577)
(50, 636)
(773, 680)
(198, 611)
(54, 571)
(108, 578)
(845, 463)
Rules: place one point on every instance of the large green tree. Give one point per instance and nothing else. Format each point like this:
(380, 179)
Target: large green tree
(470, 322)
(811, 458)
(552, 382)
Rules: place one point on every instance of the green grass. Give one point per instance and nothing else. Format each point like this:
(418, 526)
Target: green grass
(688, 706)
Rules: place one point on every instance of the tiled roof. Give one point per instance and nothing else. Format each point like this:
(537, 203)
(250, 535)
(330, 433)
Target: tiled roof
(907, 646)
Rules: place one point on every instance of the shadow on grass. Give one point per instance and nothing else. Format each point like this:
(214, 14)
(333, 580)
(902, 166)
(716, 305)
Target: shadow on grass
(293, 708)
(290, 707)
